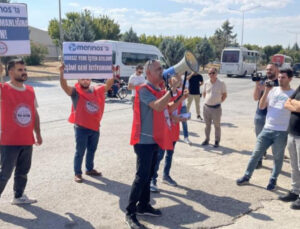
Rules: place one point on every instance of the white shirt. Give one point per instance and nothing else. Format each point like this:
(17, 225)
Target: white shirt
(136, 80)
(278, 117)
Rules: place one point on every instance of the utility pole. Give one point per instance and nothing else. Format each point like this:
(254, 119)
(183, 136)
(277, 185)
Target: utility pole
(243, 19)
(61, 35)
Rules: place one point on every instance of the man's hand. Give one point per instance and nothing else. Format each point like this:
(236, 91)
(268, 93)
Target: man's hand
(186, 93)
(61, 69)
(39, 140)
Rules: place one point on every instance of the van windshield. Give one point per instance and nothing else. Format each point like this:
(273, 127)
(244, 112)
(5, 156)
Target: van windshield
(230, 56)
(129, 58)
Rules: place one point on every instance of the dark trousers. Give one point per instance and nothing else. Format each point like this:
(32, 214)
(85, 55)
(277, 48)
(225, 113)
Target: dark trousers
(145, 163)
(18, 157)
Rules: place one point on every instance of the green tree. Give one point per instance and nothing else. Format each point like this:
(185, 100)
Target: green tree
(295, 47)
(173, 50)
(204, 52)
(38, 54)
(270, 51)
(106, 28)
(223, 37)
(130, 36)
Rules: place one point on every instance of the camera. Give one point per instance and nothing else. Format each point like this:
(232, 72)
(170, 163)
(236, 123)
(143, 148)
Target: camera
(270, 83)
(257, 76)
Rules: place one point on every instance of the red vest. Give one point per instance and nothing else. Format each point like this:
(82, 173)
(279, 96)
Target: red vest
(161, 126)
(89, 109)
(17, 115)
(175, 126)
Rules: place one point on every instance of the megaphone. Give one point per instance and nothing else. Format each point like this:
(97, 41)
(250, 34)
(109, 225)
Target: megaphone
(187, 63)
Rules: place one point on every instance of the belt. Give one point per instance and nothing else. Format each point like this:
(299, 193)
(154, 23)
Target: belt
(213, 106)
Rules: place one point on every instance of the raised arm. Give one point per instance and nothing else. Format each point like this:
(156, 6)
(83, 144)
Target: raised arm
(63, 82)
(263, 102)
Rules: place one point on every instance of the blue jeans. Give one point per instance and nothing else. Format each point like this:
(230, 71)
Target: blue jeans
(168, 162)
(259, 122)
(184, 124)
(267, 137)
(86, 140)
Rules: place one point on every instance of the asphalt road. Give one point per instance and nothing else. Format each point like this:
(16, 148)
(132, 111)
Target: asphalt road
(207, 196)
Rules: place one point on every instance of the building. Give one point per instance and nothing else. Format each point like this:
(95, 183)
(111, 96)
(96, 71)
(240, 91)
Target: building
(42, 37)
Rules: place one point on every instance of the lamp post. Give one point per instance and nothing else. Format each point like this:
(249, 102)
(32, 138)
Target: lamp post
(243, 17)
(61, 36)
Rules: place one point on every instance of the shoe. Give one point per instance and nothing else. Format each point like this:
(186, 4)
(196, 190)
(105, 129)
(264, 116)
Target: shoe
(168, 180)
(78, 178)
(132, 222)
(149, 210)
(272, 184)
(242, 181)
(94, 173)
(187, 141)
(216, 145)
(205, 142)
(296, 204)
(265, 155)
(199, 117)
(153, 186)
(23, 200)
(259, 165)
(289, 197)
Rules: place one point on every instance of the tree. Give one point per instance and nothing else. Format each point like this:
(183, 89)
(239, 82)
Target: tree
(38, 54)
(106, 28)
(223, 37)
(4, 1)
(295, 47)
(270, 51)
(204, 52)
(151, 40)
(130, 36)
(173, 50)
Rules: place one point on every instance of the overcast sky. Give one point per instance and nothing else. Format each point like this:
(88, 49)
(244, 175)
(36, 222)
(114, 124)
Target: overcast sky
(267, 24)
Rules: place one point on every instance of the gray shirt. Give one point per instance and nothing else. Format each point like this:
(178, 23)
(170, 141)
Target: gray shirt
(146, 97)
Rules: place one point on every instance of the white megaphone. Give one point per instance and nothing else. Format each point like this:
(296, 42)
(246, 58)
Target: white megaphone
(188, 63)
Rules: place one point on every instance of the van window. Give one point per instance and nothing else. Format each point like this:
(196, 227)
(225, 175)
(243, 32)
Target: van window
(230, 56)
(129, 58)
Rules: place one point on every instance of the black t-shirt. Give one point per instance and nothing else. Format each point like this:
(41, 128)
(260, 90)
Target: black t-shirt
(294, 126)
(194, 84)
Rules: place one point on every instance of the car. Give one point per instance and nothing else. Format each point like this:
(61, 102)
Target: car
(296, 69)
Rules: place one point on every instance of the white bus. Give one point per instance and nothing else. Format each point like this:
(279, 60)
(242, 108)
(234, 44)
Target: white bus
(127, 55)
(238, 61)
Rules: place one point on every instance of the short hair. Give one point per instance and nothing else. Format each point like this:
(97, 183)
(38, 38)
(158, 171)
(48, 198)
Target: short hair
(149, 64)
(12, 63)
(139, 66)
(287, 71)
(276, 65)
(214, 69)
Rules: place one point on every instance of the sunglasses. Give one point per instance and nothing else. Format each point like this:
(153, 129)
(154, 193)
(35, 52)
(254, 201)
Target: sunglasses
(211, 73)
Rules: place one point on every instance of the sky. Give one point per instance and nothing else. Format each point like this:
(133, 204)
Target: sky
(266, 22)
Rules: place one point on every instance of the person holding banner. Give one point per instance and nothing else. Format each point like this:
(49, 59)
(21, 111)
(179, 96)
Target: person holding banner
(87, 110)
(19, 119)
(150, 130)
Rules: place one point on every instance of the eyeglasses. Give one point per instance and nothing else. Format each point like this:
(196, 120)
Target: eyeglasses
(211, 73)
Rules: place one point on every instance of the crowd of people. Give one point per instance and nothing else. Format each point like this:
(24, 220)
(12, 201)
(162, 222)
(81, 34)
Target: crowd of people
(158, 108)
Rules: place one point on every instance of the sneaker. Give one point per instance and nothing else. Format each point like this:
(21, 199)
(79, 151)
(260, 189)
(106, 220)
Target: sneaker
(132, 222)
(259, 165)
(187, 141)
(216, 145)
(93, 172)
(199, 117)
(153, 187)
(242, 181)
(168, 180)
(23, 200)
(205, 142)
(289, 197)
(78, 178)
(272, 184)
(296, 204)
(149, 210)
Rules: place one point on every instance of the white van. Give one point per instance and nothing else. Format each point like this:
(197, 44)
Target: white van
(127, 55)
(239, 61)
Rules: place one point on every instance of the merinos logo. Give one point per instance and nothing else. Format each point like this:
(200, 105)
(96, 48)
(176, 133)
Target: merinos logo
(81, 47)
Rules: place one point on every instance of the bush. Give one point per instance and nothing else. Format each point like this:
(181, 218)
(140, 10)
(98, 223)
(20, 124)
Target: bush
(38, 54)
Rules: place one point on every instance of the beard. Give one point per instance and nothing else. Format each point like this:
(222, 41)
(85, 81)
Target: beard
(21, 78)
(84, 87)
(271, 76)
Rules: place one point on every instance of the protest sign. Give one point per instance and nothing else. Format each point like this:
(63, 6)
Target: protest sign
(14, 33)
(87, 60)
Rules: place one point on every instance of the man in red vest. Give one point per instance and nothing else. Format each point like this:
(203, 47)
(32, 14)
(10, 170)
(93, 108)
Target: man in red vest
(151, 129)
(87, 110)
(19, 119)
